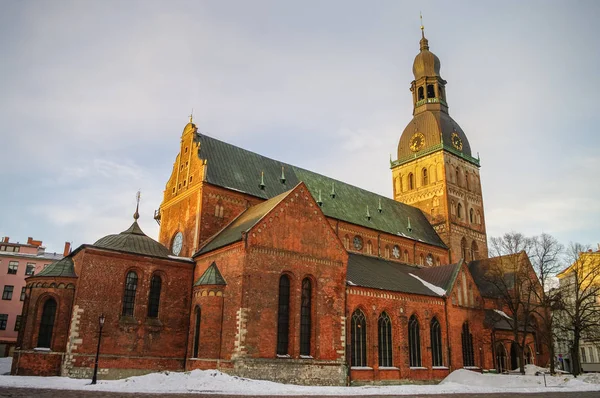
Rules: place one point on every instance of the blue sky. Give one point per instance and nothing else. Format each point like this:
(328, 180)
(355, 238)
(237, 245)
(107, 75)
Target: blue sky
(94, 96)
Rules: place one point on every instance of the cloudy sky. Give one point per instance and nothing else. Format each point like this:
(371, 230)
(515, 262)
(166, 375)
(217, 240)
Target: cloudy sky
(94, 96)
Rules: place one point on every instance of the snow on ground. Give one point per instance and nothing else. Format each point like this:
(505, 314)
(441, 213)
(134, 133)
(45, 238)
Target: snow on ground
(5, 365)
(212, 381)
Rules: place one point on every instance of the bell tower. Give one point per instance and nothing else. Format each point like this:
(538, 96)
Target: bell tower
(435, 170)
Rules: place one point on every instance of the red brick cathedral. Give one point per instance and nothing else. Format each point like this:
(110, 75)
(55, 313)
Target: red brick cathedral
(270, 271)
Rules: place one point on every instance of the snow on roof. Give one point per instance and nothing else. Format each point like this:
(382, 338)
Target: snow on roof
(502, 313)
(430, 286)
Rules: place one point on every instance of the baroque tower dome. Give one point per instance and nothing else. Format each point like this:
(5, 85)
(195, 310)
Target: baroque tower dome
(426, 63)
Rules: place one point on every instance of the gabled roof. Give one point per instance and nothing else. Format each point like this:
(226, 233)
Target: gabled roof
(480, 272)
(249, 218)
(442, 275)
(377, 273)
(238, 169)
(64, 267)
(497, 320)
(133, 240)
(211, 276)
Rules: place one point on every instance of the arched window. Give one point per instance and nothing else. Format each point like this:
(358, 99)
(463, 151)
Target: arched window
(471, 216)
(283, 315)
(436, 343)
(387, 251)
(197, 315)
(414, 342)
(129, 296)
(430, 91)
(385, 340)
(47, 324)
(463, 248)
(467, 346)
(501, 365)
(347, 242)
(452, 208)
(369, 247)
(405, 256)
(359, 339)
(459, 210)
(421, 94)
(474, 251)
(438, 261)
(154, 297)
(478, 217)
(411, 181)
(424, 177)
(305, 317)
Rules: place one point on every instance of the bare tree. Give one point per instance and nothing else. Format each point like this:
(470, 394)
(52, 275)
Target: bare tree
(545, 255)
(579, 314)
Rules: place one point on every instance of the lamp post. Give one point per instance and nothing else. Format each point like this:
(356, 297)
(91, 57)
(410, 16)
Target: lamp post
(101, 320)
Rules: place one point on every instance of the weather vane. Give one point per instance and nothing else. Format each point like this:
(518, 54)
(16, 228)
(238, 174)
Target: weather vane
(138, 195)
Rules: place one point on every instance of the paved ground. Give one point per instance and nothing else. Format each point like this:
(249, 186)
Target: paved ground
(27, 392)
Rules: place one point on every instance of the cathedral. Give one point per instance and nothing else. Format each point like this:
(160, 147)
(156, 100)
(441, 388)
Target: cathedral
(266, 270)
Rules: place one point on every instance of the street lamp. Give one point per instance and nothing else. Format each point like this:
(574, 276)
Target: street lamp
(101, 320)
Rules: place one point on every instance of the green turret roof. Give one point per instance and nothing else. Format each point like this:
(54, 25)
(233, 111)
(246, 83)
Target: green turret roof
(133, 240)
(64, 267)
(211, 276)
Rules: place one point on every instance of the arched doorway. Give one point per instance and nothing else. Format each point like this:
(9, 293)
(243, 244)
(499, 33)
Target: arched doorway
(501, 358)
(514, 356)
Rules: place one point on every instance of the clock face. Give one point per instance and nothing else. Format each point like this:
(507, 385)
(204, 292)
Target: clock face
(358, 242)
(396, 252)
(177, 244)
(456, 141)
(417, 142)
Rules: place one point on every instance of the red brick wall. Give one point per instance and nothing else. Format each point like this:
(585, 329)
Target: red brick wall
(36, 363)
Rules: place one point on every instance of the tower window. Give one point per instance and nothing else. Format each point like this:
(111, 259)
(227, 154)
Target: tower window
(463, 248)
(459, 210)
(457, 177)
(478, 217)
(430, 91)
(474, 251)
(411, 181)
(421, 94)
(467, 175)
(471, 216)
(424, 177)
(452, 208)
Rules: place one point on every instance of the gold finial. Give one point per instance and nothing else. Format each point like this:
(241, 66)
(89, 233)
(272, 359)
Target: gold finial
(192, 116)
(136, 215)
(422, 27)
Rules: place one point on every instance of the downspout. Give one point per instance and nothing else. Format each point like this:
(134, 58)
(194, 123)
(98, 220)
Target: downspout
(448, 336)
(221, 334)
(348, 346)
(187, 337)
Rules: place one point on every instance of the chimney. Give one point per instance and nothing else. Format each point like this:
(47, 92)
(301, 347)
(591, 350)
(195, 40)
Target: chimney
(67, 250)
(5, 239)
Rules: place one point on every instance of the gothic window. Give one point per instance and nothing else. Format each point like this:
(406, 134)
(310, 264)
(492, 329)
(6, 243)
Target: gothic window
(436, 343)
(411, 181)
(359, 339)
(459, 211)
(467, 346)
(47, 323)
(197, 315)
(471, 216)
(154, 297)
(129, 296)
(421, 94)
(283, 315)
(463, 248)
(430, 91)
(414, 342)
(424, 177)
(474, 251)
(305, 317)
(385, 340)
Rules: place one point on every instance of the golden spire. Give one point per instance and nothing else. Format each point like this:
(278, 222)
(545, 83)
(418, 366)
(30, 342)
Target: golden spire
(192, 116)
(136, 215)
(424, 44)
(422, 27)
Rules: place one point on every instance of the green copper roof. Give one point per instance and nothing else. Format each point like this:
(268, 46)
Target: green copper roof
(211, 276)
(133, 240)
(235, 168)
(64, 267)
(233, 232)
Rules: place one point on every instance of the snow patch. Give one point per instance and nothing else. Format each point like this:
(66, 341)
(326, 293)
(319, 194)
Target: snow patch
(436, 289)
(5, 364)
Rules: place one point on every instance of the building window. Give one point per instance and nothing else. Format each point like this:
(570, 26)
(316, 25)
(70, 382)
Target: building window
(424, 177)
(463, 248)
(438, 261)
(385, 340)
(359, 339)
(369, 247)
(467, 177)
(406, 256)
(7, 293)
(436, 343)
(387, 251)
(471, 216)
(129, 296)
(459, 211)
(3, 321)
(411, 181)
(13, 266)
(30, 269)
(457, 177)
(467, 346)
(347, 242)
(283, 315)
(414, 342)
(23, 294)
(305, 317)
(18, 323)
(474, 251)
(430, 91)
(154, 297)
(47, 324)
(583, 356)
(452, 208)
(197, 315)
(501, 364)
(478, 219)
(420, 94)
